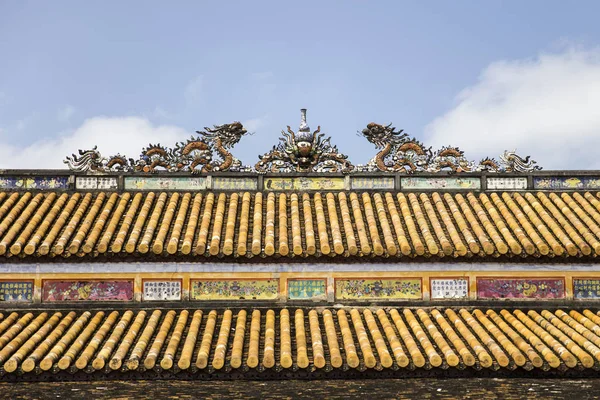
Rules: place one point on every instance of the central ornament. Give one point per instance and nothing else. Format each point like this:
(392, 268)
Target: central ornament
(304, 152)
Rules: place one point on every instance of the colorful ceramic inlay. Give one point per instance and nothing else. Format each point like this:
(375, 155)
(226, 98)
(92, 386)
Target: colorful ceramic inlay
(16, 291)
(441, 182)
(373, 289)
(515, 183)
(449, 288)
(586, 288)
(306, 289)
(100, 290)
(165, 183)
(527, 288)
(235, 289)
(34, 182)
(304, 183)
(367, 183)
(229, 183)
(566, 182)
(162, 290)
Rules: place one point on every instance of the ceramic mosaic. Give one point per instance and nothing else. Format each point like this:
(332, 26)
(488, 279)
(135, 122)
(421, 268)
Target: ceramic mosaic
(457, 288)
(235, 289)
(228, 183)
(526, 288)
(34, 182)
(586, 288)
(306, 289)
(92, 290)
(377, 289)
(516, 183)
(566, 182)
(304, 183)
(368, 183)
(162, 290)
(16, 291)
(441, 182)
(94, 182)
(165, 183)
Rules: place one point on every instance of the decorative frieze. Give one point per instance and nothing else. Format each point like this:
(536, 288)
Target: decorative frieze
(306, 289)
(159, 290)
(566, 182)
(233, 183)
(378, 289)
(87, 290)
(234, 289)
(166, 183)
(16, 291)
(304, 183)
(586, 288)
(510, 183)
(440, 182)
(372, 183)
(520, 288)
(449, 288)
(34, 182)
(96, 182)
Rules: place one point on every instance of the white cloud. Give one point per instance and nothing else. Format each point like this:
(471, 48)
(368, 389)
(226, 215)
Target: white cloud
(65, 113)
(547, 107)
(127, 135)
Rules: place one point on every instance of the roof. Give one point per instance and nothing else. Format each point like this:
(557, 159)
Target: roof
(380, 339)
(300, 224)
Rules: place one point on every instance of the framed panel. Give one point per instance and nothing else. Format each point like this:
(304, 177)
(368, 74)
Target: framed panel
(19, 291)
(520, 288)
(234, 289)
(306, 289)
(161, 289)
(378, 289)
(449, 288)
(87, 290)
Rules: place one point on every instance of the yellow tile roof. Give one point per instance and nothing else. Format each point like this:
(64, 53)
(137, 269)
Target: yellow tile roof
(356, 338)
(343, 224)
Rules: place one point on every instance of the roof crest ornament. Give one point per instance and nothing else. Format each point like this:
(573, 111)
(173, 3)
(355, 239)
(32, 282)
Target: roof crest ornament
(304, 152)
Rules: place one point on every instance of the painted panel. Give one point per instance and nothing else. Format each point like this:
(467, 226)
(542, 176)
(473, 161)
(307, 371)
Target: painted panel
(34, 182)
(566, 182)
(526, 288)
(515, 183)
(304, 183)
(373, 289)
(93, 182)
(16, 291)
(228, 183)
(368, 183)
(457, 288)
(165, 183)
(306, 289)
(92, 290)
(232, 289)
(162, 290)
(442, 182)
(586, 288)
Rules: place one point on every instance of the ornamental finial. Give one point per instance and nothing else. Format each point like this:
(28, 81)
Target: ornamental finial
(303, 126)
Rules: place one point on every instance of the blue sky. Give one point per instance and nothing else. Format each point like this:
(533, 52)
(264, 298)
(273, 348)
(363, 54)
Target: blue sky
(466, 73)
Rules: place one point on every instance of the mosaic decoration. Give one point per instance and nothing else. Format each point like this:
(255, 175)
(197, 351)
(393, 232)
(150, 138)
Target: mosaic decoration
(369, 183)
(196, 154)
(92, 290)
(304, 152)
(162, 290)
(457, 288)
(586, 288)
(516, 183)
(306, 289)
(16, 291)
(231, 289)
(34, 182)
(566, 182)
(304, 183)
(165, 183)
(228, 183)
(527, 288)
(442, 182)
(377, 289)
(93, 182)
(399, 153)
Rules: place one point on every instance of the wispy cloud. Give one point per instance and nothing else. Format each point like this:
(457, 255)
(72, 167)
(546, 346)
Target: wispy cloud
(65, 113)
(194, 89)
(546, 106)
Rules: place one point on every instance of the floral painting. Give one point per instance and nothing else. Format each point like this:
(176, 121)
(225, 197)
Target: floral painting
(566, 182)
(101, 290)
(235, 289)
(373, 289)
(526, 288)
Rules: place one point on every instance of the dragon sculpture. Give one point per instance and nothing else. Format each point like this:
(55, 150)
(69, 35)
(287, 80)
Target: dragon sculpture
(195, 155)
(304, 152)
(399, 153)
